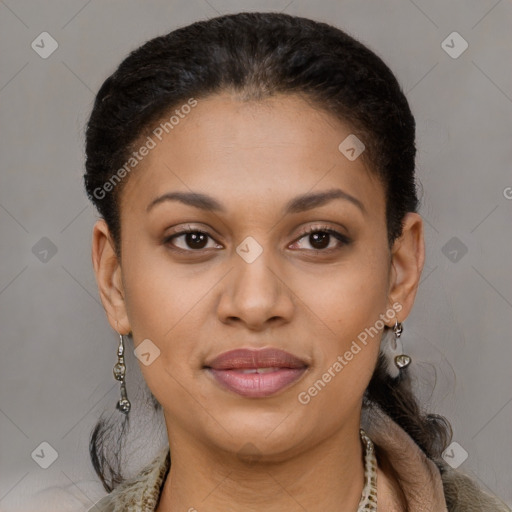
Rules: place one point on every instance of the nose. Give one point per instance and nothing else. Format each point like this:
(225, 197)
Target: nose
(256, 294)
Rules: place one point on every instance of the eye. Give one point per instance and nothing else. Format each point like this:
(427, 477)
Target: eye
(191, 240)
(320, 238)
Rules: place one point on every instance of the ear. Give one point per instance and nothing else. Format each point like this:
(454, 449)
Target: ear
(109, 278)
(407, 259)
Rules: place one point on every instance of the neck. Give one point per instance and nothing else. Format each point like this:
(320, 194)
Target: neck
(328, 476)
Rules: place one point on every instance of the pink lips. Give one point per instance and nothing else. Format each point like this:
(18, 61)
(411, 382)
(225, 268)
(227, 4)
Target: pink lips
(256, 373)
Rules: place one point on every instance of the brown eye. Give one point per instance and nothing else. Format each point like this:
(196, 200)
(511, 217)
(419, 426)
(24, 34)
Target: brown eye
(190, 240)
(321, 239)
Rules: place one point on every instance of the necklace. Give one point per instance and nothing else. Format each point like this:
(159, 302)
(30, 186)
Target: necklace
(368, 501)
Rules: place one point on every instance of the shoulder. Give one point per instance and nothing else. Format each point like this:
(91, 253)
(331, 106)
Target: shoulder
(464, 495)
(140, 492)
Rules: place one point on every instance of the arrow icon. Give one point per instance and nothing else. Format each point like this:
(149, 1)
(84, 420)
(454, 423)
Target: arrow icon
(44, 455)
(455, 455)
(44, 45)
(146, 352)
(454, 253)
(454, 45)
(351, 147)
(44, 249)
(454, 249)
(249, 249)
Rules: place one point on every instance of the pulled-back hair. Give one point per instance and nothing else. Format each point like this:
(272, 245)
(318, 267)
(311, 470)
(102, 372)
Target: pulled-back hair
(256, 56)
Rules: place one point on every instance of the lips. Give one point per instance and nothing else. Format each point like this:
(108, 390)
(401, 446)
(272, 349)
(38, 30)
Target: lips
(256, 373)
(252, 359)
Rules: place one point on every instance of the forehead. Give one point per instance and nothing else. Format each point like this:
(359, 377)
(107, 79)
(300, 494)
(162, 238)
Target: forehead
(274, 148)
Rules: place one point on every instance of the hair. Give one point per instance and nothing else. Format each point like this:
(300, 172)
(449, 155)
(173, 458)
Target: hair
(257, 56)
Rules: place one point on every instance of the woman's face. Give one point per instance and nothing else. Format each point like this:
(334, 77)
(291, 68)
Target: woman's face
(287, 250)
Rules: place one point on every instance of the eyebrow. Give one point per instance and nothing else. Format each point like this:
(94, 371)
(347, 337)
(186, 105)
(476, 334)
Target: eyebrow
(298, 204)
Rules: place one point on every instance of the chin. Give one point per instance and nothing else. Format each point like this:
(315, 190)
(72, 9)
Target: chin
(261, 433)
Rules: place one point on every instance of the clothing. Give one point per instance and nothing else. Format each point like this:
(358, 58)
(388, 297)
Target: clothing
(426, 488)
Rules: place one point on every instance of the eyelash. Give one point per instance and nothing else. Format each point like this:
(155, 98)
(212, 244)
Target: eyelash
(316, 229)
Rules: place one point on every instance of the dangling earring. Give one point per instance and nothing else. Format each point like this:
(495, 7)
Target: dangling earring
(392, 350)
(119, 373)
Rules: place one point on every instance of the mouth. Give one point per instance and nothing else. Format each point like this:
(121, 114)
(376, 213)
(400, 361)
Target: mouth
(256, 373)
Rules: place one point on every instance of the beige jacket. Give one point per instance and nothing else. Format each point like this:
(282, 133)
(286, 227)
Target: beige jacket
(426, 489)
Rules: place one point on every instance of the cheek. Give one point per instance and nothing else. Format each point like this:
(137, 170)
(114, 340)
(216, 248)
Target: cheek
(165, 304)
(348, 299)
(159, 295)
(348, 304)
(164, 307)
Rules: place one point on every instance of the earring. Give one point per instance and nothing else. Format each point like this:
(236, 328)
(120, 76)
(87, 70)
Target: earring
(119, 373)
(396, 360)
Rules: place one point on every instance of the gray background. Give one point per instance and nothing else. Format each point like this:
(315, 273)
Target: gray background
(57, 347)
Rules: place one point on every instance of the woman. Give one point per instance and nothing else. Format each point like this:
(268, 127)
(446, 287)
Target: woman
(259, 243)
